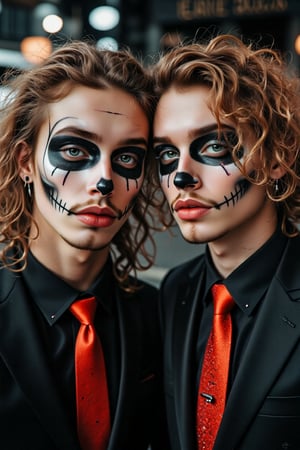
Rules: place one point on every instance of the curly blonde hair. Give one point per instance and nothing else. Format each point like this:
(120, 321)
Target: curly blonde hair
(257, 90)
(22, 114)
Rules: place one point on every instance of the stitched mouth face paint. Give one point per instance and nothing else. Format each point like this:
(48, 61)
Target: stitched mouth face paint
(240, 190)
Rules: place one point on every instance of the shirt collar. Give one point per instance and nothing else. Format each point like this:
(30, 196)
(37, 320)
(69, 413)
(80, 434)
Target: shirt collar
(250, 281)
(53, 296)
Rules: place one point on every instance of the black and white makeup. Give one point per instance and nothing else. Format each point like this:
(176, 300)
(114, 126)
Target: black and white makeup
(207, 193)
(89, 165)
(68, 154)
(213, 149)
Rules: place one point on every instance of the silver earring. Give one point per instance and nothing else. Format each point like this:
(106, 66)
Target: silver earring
(27, 184)
(276, 187)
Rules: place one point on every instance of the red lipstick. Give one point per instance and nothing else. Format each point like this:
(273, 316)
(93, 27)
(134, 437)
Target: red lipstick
(96, 216)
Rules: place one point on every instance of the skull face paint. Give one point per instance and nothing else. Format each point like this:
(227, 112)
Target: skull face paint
(66, 154)
(213, 149)
(209, 149)
(89, 165)
(207, 193)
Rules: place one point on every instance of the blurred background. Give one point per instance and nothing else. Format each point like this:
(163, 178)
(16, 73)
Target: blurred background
(30, 29)
(147, 26)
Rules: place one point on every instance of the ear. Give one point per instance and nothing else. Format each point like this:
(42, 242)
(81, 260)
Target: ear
(277, 171)
(24, 159)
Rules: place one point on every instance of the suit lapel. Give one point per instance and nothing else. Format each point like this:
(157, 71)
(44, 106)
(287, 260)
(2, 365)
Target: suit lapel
(275, 334)
(22, 351)
(186, 323)
(130, 351)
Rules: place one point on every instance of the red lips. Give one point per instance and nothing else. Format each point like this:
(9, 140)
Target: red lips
(190, 210)
(190, 203)
(97, 210)
(96, 216)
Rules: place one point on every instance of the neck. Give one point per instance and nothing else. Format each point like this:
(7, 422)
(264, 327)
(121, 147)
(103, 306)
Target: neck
(78, 268)
(230, 251)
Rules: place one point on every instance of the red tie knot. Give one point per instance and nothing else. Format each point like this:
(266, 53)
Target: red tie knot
(84, 310)
(223, 301)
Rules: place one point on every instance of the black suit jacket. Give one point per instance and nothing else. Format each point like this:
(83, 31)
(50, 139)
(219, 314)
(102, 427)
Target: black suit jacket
(263, 408)
(32, 416)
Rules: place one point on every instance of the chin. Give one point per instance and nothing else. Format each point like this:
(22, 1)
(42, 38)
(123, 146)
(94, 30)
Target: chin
(87, 244)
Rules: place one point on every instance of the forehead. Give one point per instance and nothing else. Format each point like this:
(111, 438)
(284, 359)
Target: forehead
(184, 106)
(87, 107)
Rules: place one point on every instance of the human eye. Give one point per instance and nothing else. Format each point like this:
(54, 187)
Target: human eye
(129, 157)
(69, 152)
(214, 148)
(73, 153)
(166, 154)
(126, 160)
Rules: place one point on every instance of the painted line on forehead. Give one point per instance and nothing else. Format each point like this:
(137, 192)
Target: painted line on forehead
(110, 112)
(51, 129)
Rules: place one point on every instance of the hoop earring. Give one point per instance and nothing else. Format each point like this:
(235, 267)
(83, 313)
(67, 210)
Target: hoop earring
(27, 184)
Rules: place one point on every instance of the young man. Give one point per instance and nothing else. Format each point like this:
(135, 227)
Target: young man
(74, 140)
(227, 140)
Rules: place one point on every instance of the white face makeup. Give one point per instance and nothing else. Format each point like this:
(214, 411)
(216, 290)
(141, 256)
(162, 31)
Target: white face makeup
(206, 191)
(89, 165)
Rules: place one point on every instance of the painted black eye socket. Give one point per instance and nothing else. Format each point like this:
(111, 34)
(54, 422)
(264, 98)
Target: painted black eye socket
(215, 148)
(166, 153)
(128, 162)
(211, 149)
(168, 158)
(72, 153)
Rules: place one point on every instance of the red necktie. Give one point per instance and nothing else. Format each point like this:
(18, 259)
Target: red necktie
(214, 375)
(93, 418)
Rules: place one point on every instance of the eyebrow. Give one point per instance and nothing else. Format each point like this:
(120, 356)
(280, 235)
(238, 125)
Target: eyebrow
(89, 135)
(196, 132)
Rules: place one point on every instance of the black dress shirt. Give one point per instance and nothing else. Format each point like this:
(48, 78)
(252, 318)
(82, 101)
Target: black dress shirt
(57, 327)
(248, 285)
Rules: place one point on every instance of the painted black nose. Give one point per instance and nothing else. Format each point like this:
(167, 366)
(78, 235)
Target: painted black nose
(184, 179)
(105, 186)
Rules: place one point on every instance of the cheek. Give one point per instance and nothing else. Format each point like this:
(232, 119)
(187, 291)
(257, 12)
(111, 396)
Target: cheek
(167, 180)
(221, 178)
(126, 186)
(167, 185)
(60, 179)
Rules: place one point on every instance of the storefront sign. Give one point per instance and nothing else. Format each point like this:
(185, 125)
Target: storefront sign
(185, 10)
